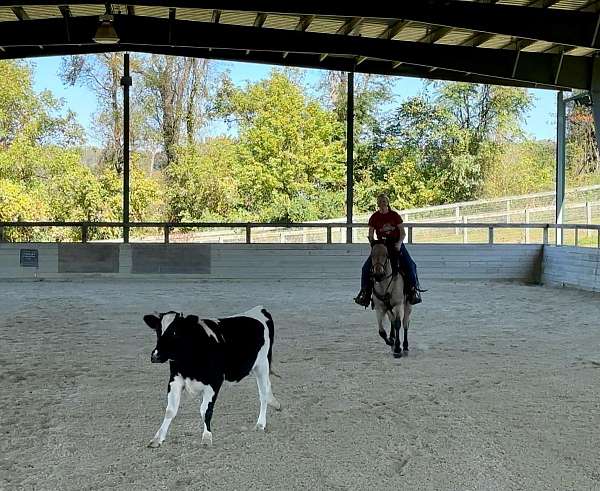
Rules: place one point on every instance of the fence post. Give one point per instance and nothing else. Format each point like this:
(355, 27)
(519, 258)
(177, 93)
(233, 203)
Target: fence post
(410, 234)
(576, 236)
(588, 217)
(84, 233)
(166, 233)
(248, 234)
(527, 216)
(457, 218)
(490, 234)
(465, 232)
(329, 235)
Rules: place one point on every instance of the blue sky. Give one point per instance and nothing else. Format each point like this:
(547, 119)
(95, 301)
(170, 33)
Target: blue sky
(540, 119)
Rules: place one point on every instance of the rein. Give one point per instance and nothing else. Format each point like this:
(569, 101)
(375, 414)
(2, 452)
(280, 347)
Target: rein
(385, 298)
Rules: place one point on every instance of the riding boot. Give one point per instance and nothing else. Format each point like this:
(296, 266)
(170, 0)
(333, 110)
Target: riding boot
(364, 297)
(414, 296)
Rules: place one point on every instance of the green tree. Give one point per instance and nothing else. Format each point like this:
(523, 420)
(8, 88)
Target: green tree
(445, 141)
(202, 183)
(30, 116)
(175, 91)
(290, 155)
(583, 157)
(522, 168)
(41, 172)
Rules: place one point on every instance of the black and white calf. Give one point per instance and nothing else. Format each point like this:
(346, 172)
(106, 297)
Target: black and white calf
(205, 352)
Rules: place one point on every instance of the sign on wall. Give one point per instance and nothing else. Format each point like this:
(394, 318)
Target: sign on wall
(29, 258)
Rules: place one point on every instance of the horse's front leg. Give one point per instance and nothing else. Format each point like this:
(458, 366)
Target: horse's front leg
(397, 316)
(406, 324)
(390, 315)
(382, 333)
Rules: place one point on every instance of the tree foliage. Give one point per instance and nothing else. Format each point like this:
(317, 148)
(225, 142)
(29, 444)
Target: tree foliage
(282, 157)
(289, 160)
(42, 177)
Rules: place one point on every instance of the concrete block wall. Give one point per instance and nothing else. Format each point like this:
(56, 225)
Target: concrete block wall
(249, 261)
(577, 267)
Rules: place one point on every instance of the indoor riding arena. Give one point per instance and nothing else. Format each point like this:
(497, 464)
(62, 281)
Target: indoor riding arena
(500, 387)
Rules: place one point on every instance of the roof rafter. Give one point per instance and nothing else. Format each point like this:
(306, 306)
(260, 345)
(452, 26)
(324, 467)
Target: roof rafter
(541, 24)
(20, 13)
(347, 29)
(294, 59)
(533, 68)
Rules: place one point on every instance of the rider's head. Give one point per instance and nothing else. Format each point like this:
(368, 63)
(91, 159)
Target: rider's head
(383, 202)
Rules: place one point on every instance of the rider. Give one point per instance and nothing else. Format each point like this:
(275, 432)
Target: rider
(388, 225)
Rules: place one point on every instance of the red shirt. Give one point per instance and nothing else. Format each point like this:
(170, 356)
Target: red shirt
(386, 225)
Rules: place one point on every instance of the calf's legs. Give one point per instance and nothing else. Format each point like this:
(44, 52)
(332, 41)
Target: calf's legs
(209, 396)
(265, 393)
(173, 399)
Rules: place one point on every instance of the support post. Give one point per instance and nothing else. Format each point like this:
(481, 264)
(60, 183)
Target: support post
(126, 83)
(561, 127)
(350, 156)
(457, 218)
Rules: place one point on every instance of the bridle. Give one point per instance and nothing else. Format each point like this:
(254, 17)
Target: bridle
(383, 265)
(385, 298)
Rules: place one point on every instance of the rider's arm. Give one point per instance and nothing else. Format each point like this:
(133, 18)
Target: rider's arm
(402, 233)
(371, 233)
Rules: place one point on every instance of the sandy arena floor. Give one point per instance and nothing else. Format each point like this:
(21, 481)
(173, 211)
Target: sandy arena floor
(500, 390)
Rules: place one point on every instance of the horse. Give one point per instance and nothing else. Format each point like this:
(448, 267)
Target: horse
(389, 299)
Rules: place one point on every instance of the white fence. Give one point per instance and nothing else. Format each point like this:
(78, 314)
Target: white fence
(582, 206)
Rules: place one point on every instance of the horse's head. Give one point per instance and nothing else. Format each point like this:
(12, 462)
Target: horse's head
(379, 260)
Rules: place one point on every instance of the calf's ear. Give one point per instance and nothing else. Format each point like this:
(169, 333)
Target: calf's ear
(152, 321)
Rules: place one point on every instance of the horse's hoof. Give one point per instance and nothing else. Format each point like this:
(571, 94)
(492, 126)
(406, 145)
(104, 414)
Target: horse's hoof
(406, 349)
(398, 354)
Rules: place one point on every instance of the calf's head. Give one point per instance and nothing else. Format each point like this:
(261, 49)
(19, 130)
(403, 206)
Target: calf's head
(165, 326)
